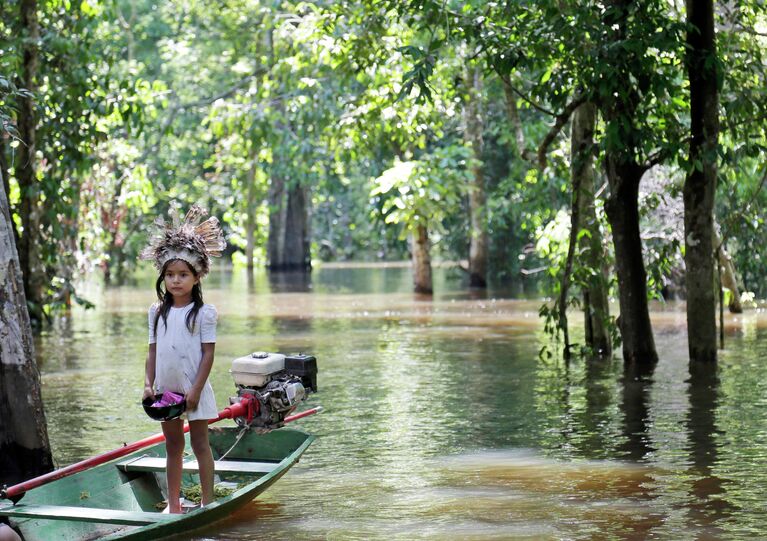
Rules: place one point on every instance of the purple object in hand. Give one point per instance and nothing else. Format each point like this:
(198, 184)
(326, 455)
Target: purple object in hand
(168, 398)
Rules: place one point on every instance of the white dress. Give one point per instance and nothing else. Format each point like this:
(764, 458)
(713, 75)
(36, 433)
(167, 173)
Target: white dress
(179, 354)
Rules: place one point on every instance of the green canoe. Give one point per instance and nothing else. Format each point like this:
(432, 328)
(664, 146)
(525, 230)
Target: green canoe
(122, 499)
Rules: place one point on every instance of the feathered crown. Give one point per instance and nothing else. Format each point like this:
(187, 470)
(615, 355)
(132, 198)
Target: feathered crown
(188, 240)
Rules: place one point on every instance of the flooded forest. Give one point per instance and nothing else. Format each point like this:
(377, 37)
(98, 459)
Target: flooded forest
(525, 242)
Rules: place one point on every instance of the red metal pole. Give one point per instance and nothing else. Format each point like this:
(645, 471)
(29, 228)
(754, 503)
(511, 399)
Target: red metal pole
(16, 491)
(21, 488)
(302, 414)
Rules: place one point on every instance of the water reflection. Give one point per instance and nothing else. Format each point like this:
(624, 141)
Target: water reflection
(441, 420)
(595, 420)
(637, 381)
(290, 281)
(708, 491)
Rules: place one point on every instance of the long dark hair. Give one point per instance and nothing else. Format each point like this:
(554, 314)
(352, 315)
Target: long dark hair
(166, 299)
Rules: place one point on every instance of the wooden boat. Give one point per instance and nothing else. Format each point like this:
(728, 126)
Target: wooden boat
(122, 498)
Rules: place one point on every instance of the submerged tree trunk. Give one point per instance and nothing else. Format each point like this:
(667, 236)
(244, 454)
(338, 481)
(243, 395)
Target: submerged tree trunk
(24, 448)
(288, 244)
(421, 259)
(619, 104)
(29, 209)
(622, 208)
(595, 298)
(111, 223)
(275, 243)
(700, 185)
(297, 254)
(250, 220)
(478, 237)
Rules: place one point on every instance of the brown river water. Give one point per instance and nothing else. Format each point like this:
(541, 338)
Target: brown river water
(441, 421)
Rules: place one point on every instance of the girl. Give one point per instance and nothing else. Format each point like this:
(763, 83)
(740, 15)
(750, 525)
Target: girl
(182, 341)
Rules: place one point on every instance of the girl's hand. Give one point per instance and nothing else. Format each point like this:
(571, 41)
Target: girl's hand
(148, 392)
(192, 399)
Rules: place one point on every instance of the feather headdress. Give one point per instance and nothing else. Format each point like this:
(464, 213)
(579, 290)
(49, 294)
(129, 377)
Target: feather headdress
(187, 239)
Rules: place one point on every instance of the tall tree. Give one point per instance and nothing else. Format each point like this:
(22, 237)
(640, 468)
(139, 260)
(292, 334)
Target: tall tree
(24, 448)
(621, 55)
(30, 211)
(623, 101)
(700, 184)
(596, 309)
(418, 195)
(473, 119)
(251, 202)
(289, 240)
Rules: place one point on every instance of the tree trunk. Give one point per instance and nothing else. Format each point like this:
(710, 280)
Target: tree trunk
(478, 238)
(250, 220)
(288, 244)
(29, 209)
(24, 448)
(618, 105)
(422, 282)
(275, 243)
(622, 208)
(513, 116)
(297, 246)
(700, 185)
(596, 308)
(111, 223)
(7, 188)
(729, 277)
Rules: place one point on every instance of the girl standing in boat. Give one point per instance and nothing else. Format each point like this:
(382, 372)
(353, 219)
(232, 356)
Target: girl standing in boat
(182, 340)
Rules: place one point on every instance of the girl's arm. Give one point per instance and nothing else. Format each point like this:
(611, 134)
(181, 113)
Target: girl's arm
(149, 370)
(193, 396)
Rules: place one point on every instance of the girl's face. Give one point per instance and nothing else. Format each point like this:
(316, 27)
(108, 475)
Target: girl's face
(179, 280)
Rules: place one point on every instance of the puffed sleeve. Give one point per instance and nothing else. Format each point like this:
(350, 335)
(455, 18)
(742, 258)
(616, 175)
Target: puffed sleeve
(152, 312)
(208, 324)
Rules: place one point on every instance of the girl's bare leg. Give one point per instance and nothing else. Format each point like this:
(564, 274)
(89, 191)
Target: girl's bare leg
(174, 451)
(7, 533)
(198, 435)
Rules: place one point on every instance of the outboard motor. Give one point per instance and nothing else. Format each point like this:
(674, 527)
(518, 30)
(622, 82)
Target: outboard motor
(272, 385)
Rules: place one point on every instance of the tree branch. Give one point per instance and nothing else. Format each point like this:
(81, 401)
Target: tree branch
(225, 94)
(507, 81)
(751, 31)
(513, 113)
(561, 120)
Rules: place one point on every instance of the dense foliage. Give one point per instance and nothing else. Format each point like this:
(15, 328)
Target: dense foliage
(140, 103)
